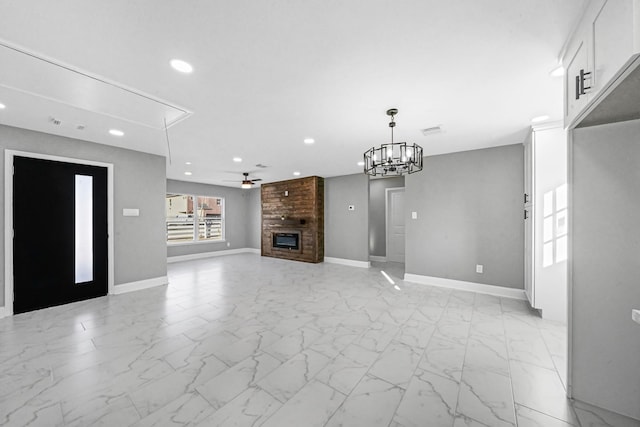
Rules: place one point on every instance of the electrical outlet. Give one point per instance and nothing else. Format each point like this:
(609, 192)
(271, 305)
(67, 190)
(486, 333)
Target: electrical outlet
(414, 215)
(479, 268)
(228, 244)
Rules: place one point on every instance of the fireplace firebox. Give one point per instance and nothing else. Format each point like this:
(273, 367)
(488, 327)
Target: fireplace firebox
(289, 241)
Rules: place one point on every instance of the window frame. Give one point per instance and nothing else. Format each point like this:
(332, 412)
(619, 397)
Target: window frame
(196, 218)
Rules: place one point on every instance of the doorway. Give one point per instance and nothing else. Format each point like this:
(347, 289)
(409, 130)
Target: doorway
(60, 217)
(395, 224)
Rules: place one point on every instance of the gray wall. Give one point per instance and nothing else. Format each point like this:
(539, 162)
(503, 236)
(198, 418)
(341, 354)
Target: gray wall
(139, 182)
(254, 218)
(346, 232)
(239, 209)
(470, 212)
(377, 219)
(606, 266)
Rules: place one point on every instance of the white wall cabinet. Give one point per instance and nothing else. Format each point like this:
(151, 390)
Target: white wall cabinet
(612, 31)
(545, 221)
(578, 62)
(606, 38)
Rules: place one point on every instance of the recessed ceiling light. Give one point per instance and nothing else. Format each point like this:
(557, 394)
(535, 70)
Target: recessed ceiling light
(187, 163)
(539, 119)
(182, 66)
(237, 159)
(116, 132)
(2, 106)
(309, 140)
(188, 173)
(558, 71)
(296, 173)
(360, 163)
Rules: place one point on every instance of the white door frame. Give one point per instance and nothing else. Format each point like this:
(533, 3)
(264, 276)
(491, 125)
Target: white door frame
(386, 217)
(8, 218)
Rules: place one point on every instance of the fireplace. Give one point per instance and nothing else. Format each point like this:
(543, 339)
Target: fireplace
(289, 241)
(293, 219)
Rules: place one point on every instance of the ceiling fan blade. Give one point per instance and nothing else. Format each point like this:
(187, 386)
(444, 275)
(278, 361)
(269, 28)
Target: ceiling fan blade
(257, 179)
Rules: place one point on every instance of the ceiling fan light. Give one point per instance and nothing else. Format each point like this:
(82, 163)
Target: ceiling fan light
(246, 185)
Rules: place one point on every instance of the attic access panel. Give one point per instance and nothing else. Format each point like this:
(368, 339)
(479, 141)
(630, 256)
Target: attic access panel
(36, 75)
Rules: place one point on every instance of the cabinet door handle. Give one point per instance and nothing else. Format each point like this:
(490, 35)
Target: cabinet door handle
(526, 198)
(525, 214)
(581, 89)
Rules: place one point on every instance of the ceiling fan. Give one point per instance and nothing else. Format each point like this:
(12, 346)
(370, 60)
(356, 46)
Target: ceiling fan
(246, 182)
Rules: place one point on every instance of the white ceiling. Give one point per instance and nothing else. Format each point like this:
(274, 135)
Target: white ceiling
(269, 73)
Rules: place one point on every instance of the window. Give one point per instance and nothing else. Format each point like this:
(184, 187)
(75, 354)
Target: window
(192, 218)
(554, 226)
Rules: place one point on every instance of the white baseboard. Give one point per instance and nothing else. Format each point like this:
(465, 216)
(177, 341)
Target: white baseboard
(377, 258)
(3, 312)
(201, 255)
(349, 262)
(499, 291)
(140, 285)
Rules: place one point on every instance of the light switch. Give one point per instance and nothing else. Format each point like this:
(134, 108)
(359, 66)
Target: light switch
(479, 268)
(352, 208)
(414, 215)
(130, 212)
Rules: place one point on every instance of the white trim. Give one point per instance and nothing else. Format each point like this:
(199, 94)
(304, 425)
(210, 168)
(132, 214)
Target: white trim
(547, 126)
(140, 285)
(377, 258)
(387, 192)
(201, 255)
(8, 218)
(349, 262)
(481, 288)
(3, 312)
(195, 242)
(569, 365)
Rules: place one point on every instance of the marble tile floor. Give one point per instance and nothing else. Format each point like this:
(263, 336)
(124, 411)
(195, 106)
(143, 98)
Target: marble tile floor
(242, 340)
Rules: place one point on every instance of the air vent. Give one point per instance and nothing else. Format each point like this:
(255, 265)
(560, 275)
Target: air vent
(431, 130)
(260, 165)
(55, 121)
(80, 127)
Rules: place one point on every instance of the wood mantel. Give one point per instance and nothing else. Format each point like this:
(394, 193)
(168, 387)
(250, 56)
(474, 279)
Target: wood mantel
(294, 206)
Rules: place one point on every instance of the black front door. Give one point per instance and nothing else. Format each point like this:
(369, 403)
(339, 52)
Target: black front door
(60, 233)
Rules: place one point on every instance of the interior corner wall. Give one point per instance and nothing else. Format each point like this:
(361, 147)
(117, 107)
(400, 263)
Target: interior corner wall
(605, 269)
(469, 211)
(377, 213)
(346, 231)
(235, 217)
(253, 218)
(139, 182)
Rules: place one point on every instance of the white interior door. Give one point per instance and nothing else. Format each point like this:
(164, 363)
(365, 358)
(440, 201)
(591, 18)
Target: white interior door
(395, 224)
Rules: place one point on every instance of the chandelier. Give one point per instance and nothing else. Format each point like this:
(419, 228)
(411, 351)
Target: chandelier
(394, 158)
